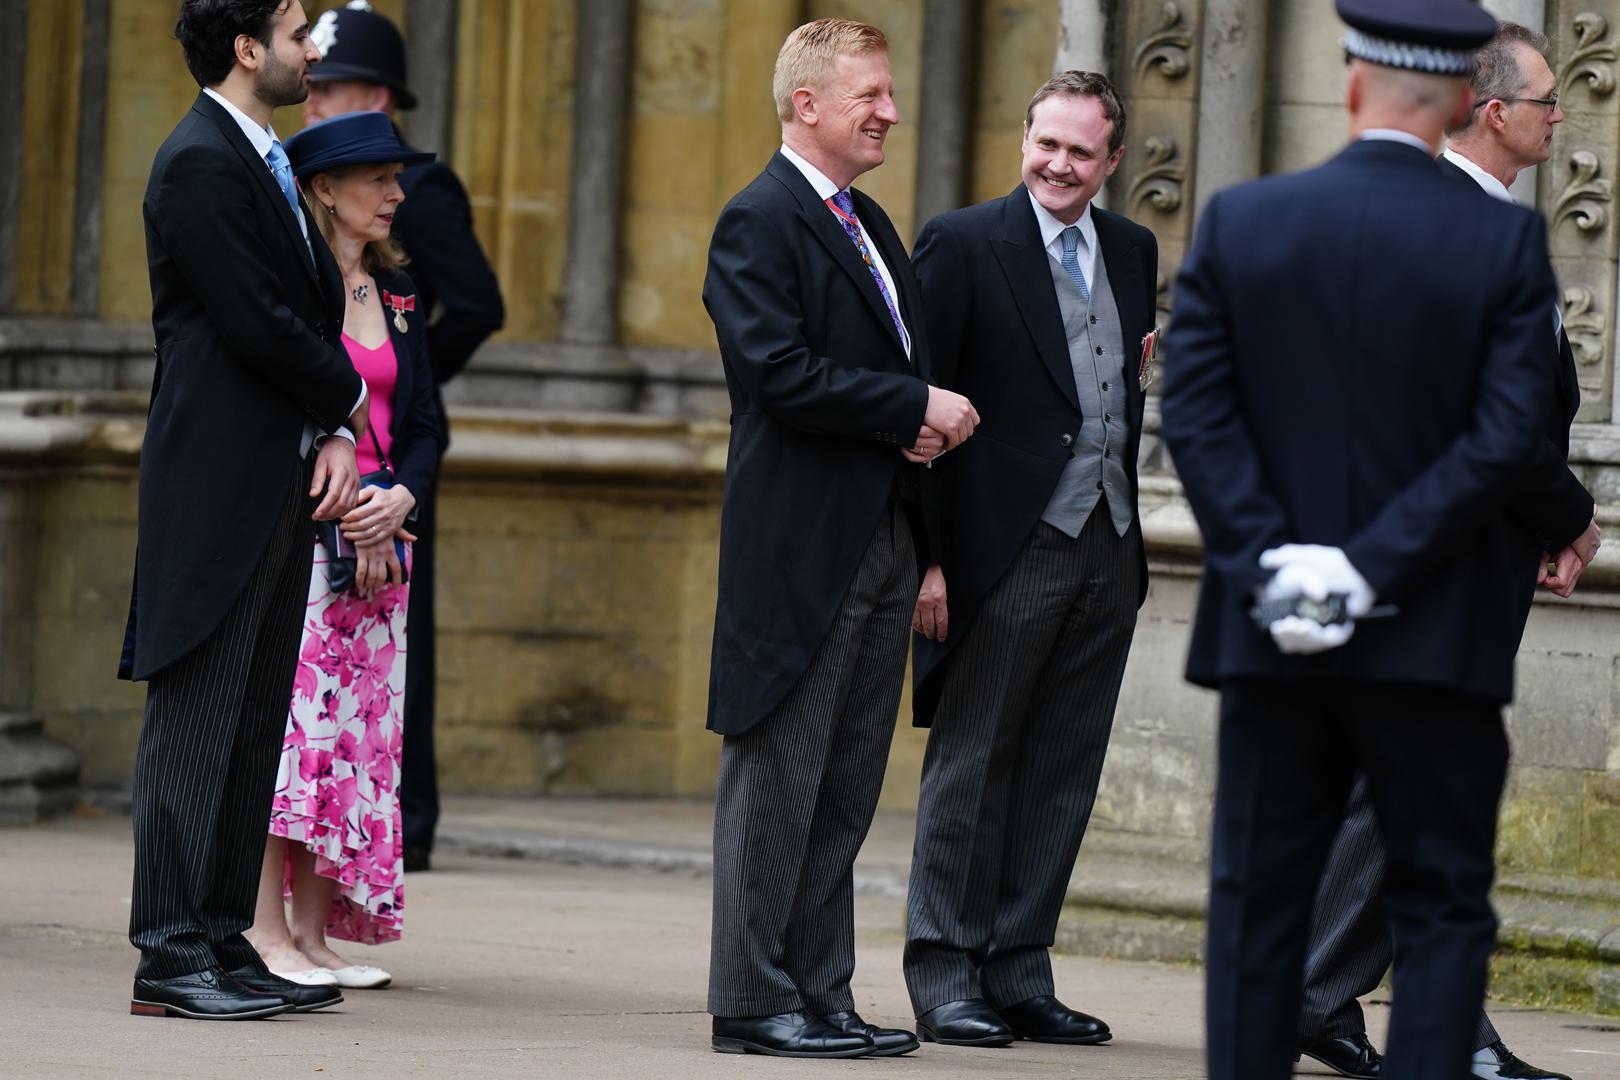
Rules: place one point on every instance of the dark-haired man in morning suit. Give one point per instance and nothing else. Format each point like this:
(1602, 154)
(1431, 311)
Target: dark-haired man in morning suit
(1509, 129)
(1355, 388)
(821, 334)
(1037, 307)
(247, 307)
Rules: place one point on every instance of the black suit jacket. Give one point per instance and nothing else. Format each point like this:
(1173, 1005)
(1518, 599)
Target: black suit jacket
(1358, 358)
(414, 427)
(998, 338)
(1551, 505)
(247, 333)
(822, 399)
(434, 224)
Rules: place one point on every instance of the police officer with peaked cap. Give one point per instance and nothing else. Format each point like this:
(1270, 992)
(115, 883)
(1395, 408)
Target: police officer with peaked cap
(363, 68)
(1349, 413)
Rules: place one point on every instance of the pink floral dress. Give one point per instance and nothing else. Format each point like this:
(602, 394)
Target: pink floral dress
(337, 791)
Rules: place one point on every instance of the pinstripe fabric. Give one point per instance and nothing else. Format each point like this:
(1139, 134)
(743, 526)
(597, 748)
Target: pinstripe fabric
(1012, 765)
(795, 798)
(1435, 762)
(205, 767)
(1350, 947)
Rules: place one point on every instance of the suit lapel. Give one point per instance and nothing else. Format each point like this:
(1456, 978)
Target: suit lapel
(267, 183)
(1124, 261)
(1024, 260)
(830, 232)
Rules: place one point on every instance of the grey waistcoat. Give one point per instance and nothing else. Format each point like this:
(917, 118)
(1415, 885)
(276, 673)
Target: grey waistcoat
(1097, 354)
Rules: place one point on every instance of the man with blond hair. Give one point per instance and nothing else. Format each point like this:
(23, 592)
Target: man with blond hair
(819, 324)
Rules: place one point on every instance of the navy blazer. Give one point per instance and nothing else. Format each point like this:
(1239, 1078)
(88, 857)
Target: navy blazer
(1358, 358)
(998, 338)
(247, 327)
(822, 399)
(415, 428)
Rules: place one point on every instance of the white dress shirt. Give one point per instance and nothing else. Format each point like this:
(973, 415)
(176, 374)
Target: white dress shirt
(1052, 233)
(826, 189)
(261, 138)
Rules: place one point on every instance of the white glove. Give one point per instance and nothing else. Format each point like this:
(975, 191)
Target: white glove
(1316, 570)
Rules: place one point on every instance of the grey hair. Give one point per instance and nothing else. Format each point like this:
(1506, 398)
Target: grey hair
(1497, 75)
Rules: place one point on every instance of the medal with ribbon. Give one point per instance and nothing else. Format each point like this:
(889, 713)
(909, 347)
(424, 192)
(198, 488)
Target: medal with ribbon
(400, 305)
(1150, 354)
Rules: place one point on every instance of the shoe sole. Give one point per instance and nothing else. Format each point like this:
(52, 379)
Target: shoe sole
(1088, 1040)
(742, 1046)
(991, 1040)
(137, 1007)
(319, 1005)
(897, 1051)
(1334, 1069)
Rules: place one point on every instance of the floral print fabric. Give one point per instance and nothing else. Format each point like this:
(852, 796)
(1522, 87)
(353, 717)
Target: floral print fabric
(337, 790)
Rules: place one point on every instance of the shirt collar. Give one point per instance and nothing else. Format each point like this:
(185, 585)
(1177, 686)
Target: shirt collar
(260, 137)
(1051, 227)
(1491, 184)
(825, 188)
(1397, 135)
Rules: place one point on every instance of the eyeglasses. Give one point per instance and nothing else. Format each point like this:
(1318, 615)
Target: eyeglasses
(1549, 102)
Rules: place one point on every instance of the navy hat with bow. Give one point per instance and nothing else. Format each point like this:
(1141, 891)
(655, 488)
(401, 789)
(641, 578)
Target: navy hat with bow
(361, 138)
(1434, 36)
(357, 43)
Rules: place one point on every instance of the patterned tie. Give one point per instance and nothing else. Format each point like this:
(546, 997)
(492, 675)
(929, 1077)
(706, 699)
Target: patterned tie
(843, 204)
(1071, 260)
(281, 169)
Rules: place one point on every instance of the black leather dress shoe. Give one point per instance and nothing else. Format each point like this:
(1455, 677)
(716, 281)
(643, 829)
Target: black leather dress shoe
(302, 998)
(886, 1042)
(1497, 1062)
(970, 1022)
(794, 1034)
(1046, 1019)
(203, 995)
(1347, 1055)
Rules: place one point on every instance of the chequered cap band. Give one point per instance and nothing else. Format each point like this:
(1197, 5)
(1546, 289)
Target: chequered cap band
(1401, 54)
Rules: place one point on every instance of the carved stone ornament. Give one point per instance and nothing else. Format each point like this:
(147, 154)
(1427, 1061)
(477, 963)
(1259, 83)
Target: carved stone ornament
(1168, 47)
(1593, 58)
(1583, 198)
(1161, 184)
(1583, 322)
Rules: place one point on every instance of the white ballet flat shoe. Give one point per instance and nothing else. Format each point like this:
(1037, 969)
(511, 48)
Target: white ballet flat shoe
(308, 977)
(360, 977)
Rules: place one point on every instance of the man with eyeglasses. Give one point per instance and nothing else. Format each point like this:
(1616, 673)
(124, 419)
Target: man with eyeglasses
(1508, 130)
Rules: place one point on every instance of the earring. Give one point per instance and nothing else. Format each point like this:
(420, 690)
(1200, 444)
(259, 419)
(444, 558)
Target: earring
(330, 209)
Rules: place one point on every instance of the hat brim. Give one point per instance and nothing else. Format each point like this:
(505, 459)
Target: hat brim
(343, 161)
(329, 72)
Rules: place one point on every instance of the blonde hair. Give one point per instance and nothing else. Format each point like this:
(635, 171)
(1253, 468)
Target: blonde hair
(377, 254)
(811, 52)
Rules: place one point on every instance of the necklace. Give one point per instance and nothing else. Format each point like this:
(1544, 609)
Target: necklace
(361, 292)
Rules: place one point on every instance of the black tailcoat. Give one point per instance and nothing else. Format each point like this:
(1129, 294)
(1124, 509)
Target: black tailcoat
(247, 333)
(997, 337)
(1552, 505)
(1358, 358)
(822, 399)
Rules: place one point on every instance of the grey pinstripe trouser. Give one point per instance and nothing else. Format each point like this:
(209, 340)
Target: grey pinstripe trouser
(1351, 947)
(795, 798)
(205, 766)
(1012, 766)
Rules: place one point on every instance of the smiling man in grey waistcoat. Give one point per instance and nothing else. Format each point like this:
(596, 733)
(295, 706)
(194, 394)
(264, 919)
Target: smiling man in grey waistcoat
(1038, 305)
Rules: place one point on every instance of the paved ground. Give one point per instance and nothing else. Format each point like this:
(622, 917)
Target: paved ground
(518, 968)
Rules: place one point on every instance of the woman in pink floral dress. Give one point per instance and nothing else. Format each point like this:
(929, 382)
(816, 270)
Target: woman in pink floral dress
(334, 845)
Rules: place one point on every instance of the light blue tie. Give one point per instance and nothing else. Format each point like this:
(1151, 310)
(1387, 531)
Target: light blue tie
(1071, 260)
(281, 169)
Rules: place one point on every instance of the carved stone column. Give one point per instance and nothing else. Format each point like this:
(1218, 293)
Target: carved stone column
(596, 178)
(1231, 87)
(1083, 35)
(430, 56)
(944, 135)
(13, 64)
(1579, 190)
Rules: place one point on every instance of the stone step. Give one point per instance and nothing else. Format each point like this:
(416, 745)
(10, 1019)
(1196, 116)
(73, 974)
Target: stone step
(39, 777)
